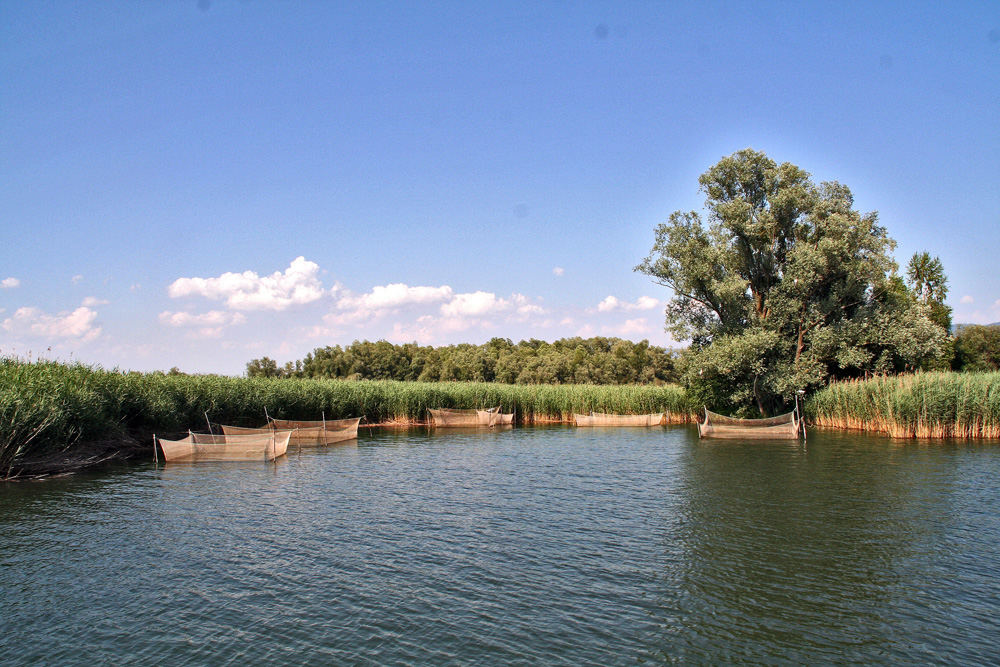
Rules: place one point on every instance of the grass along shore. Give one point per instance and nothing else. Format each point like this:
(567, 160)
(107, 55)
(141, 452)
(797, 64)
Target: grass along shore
(922, 405)
(48, 408)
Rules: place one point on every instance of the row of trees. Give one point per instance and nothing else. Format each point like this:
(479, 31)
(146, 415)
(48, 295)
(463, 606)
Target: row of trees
(977, 347)
(566, 361)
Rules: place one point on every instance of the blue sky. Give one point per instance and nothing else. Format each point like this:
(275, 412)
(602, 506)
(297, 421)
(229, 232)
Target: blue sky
(197, 184)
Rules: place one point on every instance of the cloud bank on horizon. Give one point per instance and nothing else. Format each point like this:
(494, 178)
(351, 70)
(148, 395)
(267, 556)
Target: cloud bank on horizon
(235, 312)
(226, 320)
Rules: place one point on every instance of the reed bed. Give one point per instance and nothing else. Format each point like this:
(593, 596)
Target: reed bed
(48, 407)
(922, 405)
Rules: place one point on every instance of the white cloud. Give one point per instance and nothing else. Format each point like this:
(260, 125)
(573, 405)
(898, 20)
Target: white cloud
(213, 318)
(75, 279)
(382, 300)
(646, 303)
(317, 331)
(474, 303)
(77, 324)
(611, 303)
(202, 326)
(348, 318)
(558, 271)
(9, 283)
(967, 299)
(525, 308)
(389, 298)
(531, 309)
(415, 318)
(91, 301)
(299, 284)
(395, 295)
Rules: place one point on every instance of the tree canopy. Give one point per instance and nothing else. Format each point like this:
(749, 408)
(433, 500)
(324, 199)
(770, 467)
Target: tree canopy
(930, 286)
(977, 347)
(783, 287)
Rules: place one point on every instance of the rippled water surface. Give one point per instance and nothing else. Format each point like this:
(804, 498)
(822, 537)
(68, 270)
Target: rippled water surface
(526, 546)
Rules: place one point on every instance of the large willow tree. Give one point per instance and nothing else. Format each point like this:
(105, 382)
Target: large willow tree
(783, 287)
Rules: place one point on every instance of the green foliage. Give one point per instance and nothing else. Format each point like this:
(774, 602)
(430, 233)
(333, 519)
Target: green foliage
(265, 367)
(786, 288)
(977, 348)
(930, 286)
(566, 361)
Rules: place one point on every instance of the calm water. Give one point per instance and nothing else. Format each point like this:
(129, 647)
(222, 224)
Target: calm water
(530, 546)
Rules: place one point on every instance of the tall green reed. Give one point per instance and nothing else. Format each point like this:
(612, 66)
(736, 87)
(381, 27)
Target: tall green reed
(923, 405)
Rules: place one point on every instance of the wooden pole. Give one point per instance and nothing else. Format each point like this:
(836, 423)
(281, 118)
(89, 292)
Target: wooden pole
(207, 421)
(156, 459)
(798, 414)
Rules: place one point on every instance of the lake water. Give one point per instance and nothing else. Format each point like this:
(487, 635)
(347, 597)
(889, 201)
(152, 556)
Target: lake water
(529, 546)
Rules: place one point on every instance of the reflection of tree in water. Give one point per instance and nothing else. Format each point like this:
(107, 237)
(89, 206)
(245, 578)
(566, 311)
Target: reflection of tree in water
(797, 553)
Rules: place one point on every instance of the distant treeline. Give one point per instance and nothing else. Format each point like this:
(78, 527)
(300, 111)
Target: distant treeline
(977, 348)
(595, 360)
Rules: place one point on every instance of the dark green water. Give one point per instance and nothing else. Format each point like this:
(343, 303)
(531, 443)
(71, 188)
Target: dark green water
(529, 546)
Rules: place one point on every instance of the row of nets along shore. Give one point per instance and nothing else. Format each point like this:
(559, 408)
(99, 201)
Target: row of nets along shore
(234, 443)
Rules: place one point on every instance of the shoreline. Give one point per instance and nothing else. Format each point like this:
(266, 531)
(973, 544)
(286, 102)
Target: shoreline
(91, 455)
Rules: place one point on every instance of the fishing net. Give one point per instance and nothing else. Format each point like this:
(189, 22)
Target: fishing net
(784, 426)
(605, 419)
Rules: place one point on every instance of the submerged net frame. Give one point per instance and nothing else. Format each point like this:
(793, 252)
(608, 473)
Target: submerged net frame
(503, 418)
(494, 417)
(303, 432)
(244, 430)
(607, 419)
(227, 447)
(454, 417)
(781, 427)
(319, 432)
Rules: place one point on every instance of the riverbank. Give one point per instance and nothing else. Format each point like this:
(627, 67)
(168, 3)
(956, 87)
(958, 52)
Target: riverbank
(52, 412)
